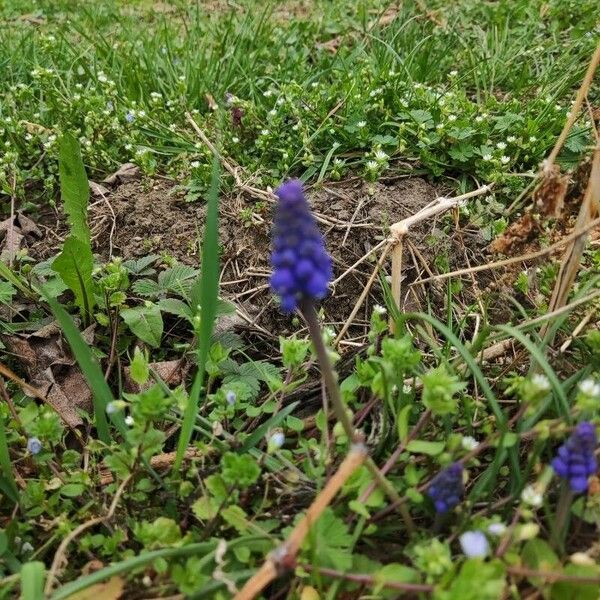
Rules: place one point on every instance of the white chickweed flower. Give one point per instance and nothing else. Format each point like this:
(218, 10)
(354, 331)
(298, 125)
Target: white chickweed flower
(531, 496)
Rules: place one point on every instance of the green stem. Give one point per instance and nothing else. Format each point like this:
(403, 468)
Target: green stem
(330, 378)
(561, 518)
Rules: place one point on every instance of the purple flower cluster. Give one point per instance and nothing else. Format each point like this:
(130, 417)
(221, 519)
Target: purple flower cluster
(302, 268)
(575, 459)
(446, 488)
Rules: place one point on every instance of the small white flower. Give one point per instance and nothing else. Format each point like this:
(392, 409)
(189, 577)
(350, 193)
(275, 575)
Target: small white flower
(439, 126)
(474, 544)
(487, 157)
(452, 118)
(380, 310)
(272, 112)
(531, 496)
(505, 159)
(372, 165)
(469, 443)
(102, 78)
(511, 138)
(541, 382)
(26, 548)
(453, 73)
(500, 145)
(129, 421)
(589, 387)
(235, 139)
(478, 119)
(532, 138)
(267, 93)
(380, 156)
(276, 440)
(195, 164)
(361, 124)
(264, 132)
(406, 388)
(496, 529)
(155, 95)
(280, 101)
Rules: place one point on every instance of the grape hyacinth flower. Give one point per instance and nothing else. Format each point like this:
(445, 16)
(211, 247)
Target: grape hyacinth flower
(302, 267)
(575, 459)
(446, 488)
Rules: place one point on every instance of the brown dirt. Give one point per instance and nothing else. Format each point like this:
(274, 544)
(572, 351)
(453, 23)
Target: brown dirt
(152, 216)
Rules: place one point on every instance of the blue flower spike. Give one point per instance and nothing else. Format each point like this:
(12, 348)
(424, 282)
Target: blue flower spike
(575, 460)
(446, 488)
(302, 268)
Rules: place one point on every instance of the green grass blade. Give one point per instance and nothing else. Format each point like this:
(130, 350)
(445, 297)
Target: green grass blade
(261, 431)
(207, 290)
(469, 361)
(101, 393)
(33, 575)
(7, 481)
(127, 565)
(542, 363)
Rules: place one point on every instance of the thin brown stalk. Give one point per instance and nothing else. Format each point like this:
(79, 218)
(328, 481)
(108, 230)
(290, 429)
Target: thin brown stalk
(284, 557)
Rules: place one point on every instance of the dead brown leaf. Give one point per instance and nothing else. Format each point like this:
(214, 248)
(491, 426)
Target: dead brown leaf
(97, 189)
(109, 590)
(516, 234)
(53, 371)
(549, 195)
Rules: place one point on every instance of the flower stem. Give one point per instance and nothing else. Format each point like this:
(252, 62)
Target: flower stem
(307, 309)
(561, 518)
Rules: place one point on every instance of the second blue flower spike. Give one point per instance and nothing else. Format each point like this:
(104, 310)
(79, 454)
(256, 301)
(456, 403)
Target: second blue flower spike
(575, 459)
(301, 265)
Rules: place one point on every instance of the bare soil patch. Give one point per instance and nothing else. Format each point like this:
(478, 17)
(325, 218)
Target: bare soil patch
(138, 218)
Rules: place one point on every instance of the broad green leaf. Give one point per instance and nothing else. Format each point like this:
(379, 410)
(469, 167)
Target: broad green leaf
(395, 572)
(236, 517)
(477, 580)
(425, 447)
(32, 580)
(74, 187)
(74, 265)
(138, 369)
(538, 555)
(145, 322)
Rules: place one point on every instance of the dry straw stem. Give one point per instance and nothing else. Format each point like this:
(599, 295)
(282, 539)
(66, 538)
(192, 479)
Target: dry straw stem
(284, 557)
(581, 95)
(571, 260)
(401, 229)
(515, 259)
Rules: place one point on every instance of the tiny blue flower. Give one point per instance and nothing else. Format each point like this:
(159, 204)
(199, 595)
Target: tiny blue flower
(130, 117)
(111, 408)
(474, 544)
(302, 267)
(230, 397)
(446, 488)
(575, 459)
(34, 445)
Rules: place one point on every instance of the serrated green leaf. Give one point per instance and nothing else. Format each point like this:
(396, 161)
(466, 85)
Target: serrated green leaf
(138, 369)
(176, 307)
(74, 265)
(74, 187)
(145, 322)
(146, 287)
(236, 517)
(140, 266)
(177, 279)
